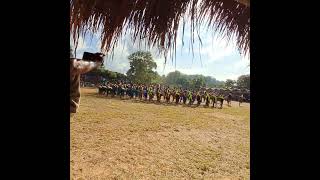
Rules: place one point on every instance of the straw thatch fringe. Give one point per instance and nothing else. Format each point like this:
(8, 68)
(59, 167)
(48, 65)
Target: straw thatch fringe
(157, 21)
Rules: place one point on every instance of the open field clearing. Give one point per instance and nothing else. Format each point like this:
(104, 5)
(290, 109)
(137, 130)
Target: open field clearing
(125, 139)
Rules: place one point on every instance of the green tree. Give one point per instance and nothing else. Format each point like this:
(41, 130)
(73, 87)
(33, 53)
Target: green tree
(142, 67)
(230, 83)
(112, 75)
(244, 81)
(183, 82)
(172, 78)
(157, 78)
(179, 79)
(198, 82)
(220, 85)
(121, 76)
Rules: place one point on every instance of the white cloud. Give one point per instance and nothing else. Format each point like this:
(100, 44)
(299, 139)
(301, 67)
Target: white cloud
(219, 59)
(81, 44)
(242, 64)
(217, 50)
(119, 61)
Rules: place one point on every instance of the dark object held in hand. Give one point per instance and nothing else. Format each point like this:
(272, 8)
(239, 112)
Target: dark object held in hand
(95, 57)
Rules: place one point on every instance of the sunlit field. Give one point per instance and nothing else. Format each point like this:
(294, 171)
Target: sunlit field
(128, 139)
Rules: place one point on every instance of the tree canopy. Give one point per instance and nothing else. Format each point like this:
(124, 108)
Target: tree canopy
(142, 67)
(244, 81)
(179, 79)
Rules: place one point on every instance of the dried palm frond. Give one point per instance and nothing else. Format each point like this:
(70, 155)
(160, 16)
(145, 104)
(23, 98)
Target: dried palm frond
(157, 21)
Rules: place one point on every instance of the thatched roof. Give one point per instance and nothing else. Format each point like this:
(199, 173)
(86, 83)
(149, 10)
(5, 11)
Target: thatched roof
(157, 21)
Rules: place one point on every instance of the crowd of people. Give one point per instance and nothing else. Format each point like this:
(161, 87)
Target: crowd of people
(162, 93)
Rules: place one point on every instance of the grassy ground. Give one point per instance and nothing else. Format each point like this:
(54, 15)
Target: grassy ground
(124, 139)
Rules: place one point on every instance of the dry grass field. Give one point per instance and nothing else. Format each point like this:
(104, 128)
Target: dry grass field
(125, 139)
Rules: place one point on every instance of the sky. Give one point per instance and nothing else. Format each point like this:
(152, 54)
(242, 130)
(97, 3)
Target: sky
(215, 57)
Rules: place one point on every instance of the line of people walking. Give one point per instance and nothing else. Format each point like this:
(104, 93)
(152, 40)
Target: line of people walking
(161, 93)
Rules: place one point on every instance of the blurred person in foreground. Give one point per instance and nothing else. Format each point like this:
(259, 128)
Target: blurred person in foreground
(78, 67)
